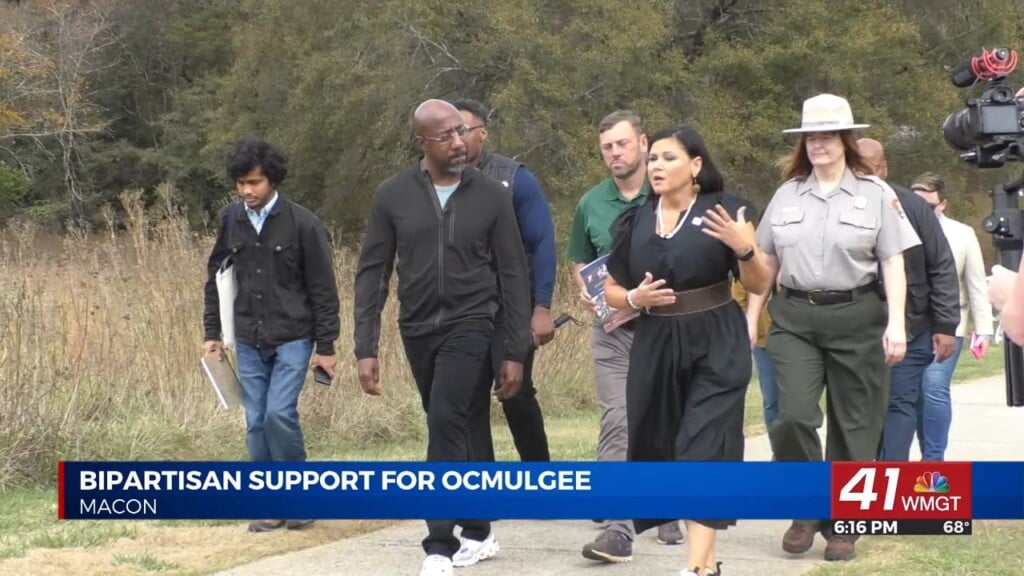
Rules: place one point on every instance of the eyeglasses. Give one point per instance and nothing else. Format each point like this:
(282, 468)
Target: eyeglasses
(447, 136)
(924, 190)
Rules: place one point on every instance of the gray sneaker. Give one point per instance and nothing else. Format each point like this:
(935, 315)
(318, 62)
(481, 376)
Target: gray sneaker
(670, 534)
(610, 546)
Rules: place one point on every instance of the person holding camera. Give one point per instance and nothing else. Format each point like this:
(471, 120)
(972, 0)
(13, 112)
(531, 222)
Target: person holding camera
(825, 232)
(1006, 293)
(287, 304)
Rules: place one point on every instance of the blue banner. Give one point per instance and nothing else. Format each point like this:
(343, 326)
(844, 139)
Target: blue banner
(417, 490)
(998, 490)
(503, 490)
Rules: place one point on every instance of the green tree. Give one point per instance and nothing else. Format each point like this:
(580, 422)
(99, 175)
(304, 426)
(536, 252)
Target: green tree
(13, 188)
(866, 52)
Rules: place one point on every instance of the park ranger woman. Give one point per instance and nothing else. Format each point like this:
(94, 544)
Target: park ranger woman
(825, 232)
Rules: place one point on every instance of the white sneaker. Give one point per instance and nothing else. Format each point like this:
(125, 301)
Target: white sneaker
(436, 565)
(473, 551)
(687, 573)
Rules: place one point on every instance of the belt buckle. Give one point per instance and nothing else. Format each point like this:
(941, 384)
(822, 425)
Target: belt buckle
(810, 296)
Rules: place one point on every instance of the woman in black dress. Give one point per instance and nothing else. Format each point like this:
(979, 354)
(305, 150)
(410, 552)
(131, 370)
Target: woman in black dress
(689, 366)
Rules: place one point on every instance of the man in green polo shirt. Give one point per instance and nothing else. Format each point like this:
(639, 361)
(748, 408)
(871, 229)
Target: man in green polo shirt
(624, 149)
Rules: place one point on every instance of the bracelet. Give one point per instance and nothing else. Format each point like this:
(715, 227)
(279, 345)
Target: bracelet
(746, 256)
(629, 299)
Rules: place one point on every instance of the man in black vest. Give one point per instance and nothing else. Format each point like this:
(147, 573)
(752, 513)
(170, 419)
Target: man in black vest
(537, 230)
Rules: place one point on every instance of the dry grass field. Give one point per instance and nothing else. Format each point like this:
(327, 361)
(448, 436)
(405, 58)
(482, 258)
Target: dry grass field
(100, 338)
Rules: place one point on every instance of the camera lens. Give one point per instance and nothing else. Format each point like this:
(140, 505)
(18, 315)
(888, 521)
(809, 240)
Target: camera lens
(958, 131)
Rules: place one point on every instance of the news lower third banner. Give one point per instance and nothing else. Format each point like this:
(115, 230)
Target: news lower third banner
(514, 490)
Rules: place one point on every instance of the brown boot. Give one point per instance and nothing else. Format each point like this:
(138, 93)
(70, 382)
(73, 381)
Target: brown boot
(840, 549)
(798, 538)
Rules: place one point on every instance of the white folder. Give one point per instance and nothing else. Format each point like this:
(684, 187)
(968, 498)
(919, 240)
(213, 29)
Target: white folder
(227, 290)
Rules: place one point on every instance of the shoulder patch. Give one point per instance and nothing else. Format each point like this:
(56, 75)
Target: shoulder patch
(898, 207)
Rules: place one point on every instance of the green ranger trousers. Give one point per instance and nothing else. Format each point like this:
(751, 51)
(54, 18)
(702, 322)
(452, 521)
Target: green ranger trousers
(835, 349)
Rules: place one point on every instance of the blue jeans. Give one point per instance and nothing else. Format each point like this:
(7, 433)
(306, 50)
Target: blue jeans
(271, 383)
(905, 390)
(936, 410)
(769, 389)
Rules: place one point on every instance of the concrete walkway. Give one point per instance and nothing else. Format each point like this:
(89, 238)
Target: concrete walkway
(984, 428)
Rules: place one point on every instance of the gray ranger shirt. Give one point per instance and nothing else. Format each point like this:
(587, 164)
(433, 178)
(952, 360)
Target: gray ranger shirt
(834, 240)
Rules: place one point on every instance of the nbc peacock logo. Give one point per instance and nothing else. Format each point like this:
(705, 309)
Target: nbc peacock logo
(931, 483)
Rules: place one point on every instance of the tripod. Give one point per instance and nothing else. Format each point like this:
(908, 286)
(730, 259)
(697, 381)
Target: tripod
(1006, 225)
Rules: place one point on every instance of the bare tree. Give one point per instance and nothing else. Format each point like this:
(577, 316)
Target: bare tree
(50, 50)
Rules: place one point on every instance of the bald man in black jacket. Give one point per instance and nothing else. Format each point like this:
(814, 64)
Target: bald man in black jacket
(450, 227)
(933, 311)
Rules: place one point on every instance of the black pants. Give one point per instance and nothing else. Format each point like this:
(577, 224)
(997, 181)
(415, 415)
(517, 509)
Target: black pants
(446, 366)
(522, 411)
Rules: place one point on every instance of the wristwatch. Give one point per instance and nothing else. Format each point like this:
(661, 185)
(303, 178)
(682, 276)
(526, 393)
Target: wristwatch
(747, 256)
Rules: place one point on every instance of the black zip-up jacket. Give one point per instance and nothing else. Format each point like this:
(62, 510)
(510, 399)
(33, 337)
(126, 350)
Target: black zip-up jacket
(286, 286)
(445, 259)
(933, 290)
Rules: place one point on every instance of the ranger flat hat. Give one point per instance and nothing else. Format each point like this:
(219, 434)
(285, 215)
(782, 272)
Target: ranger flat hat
(826, 113)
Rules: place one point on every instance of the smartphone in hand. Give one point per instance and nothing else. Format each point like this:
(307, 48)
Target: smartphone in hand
(321, 376)
(977, 346)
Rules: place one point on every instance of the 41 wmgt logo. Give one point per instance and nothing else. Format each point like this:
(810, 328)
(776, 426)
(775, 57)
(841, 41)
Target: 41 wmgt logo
(901, 490)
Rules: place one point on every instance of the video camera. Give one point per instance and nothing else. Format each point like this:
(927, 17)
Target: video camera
(991, 128)
(990, 132)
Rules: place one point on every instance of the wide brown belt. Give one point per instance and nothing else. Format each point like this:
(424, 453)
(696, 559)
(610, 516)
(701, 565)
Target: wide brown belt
(696, 300)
